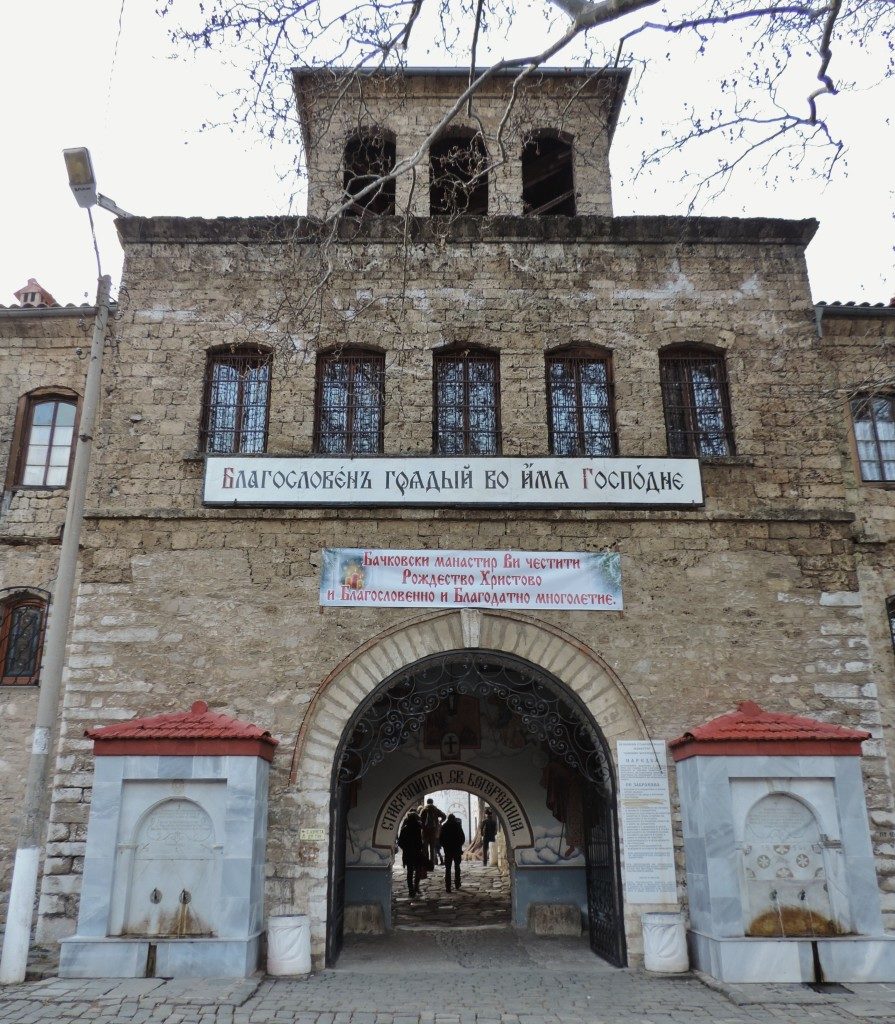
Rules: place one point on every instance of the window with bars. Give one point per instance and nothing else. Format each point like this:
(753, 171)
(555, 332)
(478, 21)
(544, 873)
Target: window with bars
(874, 420)
(21, 639)
(369, 154)
(236, 402)
(697, 403)
(466, 402)
(548, 184)
(580, 402)
(48, 444)
(350, 402)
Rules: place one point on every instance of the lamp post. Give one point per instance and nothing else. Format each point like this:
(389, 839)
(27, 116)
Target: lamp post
(17, 936)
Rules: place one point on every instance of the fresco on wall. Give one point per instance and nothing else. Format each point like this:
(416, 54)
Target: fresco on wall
(459, 717)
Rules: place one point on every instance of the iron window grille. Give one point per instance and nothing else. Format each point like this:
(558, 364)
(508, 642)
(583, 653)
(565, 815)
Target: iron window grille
(580, 403)
(350, 403)
(458, 175)
(236, 403)
(370, 154)
(548, 181)
(874, 420)
(21, 640)
(466, 403)
(49, 442)
(697, 403)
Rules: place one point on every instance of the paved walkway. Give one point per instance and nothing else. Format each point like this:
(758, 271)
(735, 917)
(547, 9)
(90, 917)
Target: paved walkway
(483, 899)
(448, 977)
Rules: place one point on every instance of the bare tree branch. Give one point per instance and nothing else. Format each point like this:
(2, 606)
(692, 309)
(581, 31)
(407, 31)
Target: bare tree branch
(826, 55)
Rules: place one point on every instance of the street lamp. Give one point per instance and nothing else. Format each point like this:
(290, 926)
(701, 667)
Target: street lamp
(23, 888)
(82, 182)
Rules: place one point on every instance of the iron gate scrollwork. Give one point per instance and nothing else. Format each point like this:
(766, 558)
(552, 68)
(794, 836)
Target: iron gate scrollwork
(398, 710)
(549, 714)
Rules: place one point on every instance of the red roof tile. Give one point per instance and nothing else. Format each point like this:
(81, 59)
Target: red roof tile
(197, 731)
(751, 729)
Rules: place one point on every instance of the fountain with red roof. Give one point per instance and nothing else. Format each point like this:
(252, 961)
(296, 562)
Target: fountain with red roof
(174, 867)
(780, 872)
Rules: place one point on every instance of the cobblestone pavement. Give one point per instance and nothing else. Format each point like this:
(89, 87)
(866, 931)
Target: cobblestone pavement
(483, 899)
(449, 977)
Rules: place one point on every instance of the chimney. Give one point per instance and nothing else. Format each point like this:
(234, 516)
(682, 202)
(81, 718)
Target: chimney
(34, 296)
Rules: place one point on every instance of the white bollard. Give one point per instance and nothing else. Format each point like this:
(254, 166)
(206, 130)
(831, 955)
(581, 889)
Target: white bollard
(288, 945)
(14, 960)
(665, 943)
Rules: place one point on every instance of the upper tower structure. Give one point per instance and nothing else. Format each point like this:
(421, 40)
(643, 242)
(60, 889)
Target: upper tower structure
(539, 149)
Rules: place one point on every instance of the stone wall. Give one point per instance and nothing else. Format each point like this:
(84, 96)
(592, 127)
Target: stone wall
(756, 596)
(860, 344)
(38, 348)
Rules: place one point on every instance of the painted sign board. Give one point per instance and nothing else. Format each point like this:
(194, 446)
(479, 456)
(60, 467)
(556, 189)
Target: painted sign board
(646, 822)
(544, 580)
(539, 482)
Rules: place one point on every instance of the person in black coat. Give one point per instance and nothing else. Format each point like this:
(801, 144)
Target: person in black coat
(452, 839)
(488, 833)
(410, 843)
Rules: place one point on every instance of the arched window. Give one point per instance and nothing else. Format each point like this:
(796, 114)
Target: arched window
(22, 620)
(696, 400)
(466, 402)
(350, 402)
(369, 154)
(236, 401)
(43, 444)
(548, 181)
(580, 402)
(874, 420)
(458, 174)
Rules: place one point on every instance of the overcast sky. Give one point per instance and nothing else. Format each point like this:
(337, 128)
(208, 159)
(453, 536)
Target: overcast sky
(141, 111)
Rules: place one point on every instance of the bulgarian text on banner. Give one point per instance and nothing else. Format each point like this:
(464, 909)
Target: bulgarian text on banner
(533, 580)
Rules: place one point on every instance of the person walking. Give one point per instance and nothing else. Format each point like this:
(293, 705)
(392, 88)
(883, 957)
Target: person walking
(413, 854)
(452, 838)
(431, 819)
(488, 832)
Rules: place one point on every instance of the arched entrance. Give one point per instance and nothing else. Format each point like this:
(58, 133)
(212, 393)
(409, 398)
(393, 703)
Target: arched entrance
(436, 707)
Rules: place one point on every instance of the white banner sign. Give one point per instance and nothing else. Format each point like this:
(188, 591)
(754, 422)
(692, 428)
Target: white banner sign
(545, 580)
(646, 822)
(259, 480)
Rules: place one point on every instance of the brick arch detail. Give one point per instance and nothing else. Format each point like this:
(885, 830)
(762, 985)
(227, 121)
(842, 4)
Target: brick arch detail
(550, 648)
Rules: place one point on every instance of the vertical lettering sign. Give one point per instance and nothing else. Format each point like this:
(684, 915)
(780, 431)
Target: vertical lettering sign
(574, 581)
(646, 822)
(265, 481)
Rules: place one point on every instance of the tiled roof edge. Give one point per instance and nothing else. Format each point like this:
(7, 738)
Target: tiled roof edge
(25, 312)
(863, 309)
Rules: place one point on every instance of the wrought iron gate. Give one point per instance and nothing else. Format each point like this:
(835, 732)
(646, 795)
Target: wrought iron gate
(550, 715)
(604, 903)
(336, 901)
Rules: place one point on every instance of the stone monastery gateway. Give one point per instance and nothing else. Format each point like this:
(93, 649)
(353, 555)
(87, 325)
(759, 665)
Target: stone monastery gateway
(476, 492)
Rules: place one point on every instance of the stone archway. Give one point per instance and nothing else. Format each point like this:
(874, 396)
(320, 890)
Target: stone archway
(554, 651)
